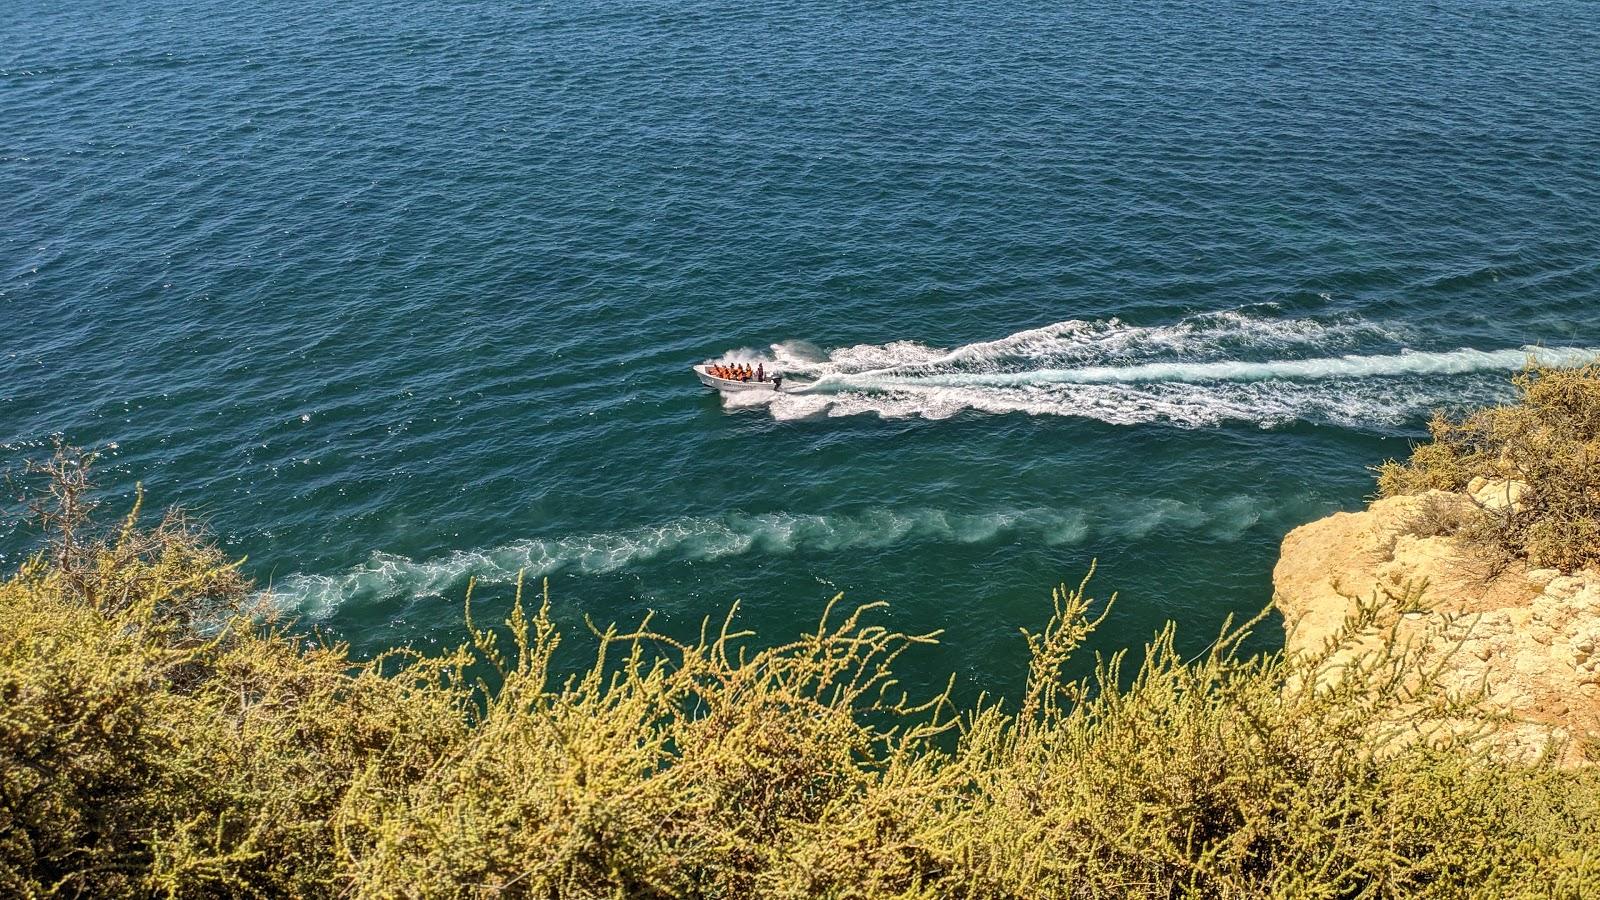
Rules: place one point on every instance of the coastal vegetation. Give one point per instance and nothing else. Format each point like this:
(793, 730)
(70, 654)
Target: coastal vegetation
(1534, 462)
(163, 733)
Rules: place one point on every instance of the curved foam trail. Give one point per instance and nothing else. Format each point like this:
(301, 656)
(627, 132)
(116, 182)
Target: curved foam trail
(1414, 363)
(1219, 335)
(390, 576)
(1199, 371)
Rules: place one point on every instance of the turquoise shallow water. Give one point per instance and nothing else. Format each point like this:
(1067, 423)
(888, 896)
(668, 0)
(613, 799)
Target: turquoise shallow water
(395, 295)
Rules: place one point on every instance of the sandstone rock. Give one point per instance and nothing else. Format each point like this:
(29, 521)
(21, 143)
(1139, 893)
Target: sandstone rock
(1498, 494)
(1530, 636)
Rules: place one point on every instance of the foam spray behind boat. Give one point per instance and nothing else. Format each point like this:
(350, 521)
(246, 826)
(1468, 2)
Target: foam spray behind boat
(1199, 371)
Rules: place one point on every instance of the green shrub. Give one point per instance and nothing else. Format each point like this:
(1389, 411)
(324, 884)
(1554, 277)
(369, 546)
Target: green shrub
(171, 744)
(1549, 439)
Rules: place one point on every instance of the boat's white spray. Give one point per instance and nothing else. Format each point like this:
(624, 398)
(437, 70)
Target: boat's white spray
(1201, 370)
(1352, 366)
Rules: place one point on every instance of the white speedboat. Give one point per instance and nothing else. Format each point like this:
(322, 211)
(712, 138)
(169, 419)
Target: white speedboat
(702, 372)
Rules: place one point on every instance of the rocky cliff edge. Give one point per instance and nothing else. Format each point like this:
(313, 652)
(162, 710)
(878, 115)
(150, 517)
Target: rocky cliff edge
(1528, 639)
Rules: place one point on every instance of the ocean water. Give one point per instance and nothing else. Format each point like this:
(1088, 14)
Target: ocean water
(395, 295)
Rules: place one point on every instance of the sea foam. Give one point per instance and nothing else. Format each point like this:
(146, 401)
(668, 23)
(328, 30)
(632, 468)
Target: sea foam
(1201, 370)
(693, 539)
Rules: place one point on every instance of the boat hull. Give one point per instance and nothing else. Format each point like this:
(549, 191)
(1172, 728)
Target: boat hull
(728, 384)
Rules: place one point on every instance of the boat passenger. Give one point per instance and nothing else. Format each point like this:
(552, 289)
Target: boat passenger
(761, 371)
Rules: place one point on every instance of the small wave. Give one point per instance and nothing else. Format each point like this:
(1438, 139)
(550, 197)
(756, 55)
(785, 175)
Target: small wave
(1200, 371)
(388, 576)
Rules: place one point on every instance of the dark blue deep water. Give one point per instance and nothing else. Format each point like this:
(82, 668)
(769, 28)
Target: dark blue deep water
(395, 294)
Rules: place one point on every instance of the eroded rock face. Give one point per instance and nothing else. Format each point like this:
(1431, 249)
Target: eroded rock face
(1531, 637)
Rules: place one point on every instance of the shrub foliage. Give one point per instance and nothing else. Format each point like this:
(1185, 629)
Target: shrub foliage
(1549, 439)
(159, 737)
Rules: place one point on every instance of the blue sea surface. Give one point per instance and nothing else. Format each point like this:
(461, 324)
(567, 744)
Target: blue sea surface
(395, 295)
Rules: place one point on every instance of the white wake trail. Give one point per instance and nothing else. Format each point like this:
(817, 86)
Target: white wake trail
(1199, 371)
(391, 576)
(1412, 363)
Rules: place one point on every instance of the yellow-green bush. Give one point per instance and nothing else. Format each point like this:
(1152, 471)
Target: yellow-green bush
(1549, 439)
(156, 738)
